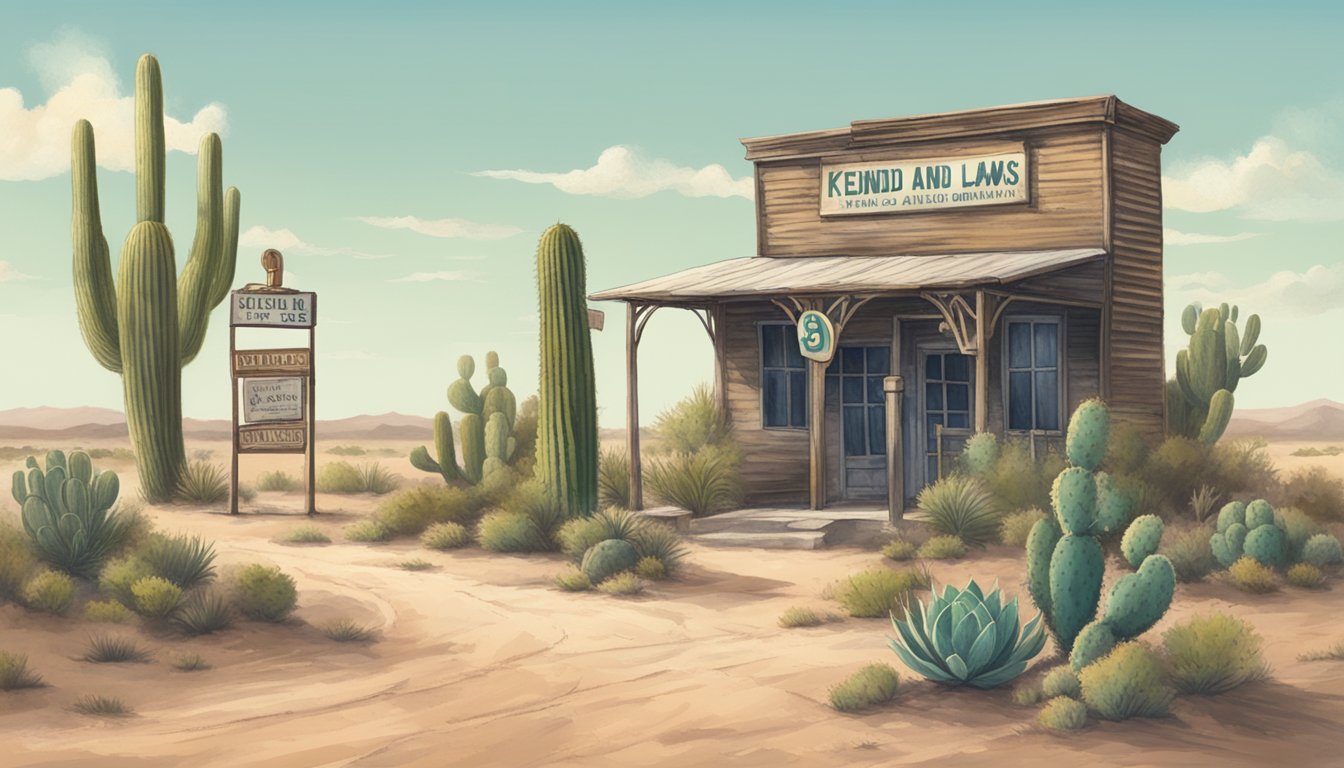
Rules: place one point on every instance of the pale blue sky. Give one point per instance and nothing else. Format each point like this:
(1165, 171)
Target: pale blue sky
(338, 114)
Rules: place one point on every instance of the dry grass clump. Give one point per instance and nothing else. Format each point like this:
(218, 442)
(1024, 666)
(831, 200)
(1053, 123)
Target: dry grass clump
(347, 631)
(943, 548)
(306, 534)
(874, 685)
(14, 673)
(877, 592)
(1063, 714)
(1212, 654)
(102, 706)
(899, 549)
(443, 536)
(623, 584)
(801, 617)
(573, 580)
(1248, 575)
(108, 649)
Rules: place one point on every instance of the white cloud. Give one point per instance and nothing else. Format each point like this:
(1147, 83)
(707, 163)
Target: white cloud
(624, 173)
(425, 277)
(81, 84)
(1273, 182)
(1288, 294)
(1176, 237)
(8, 274)
(469, 230)
(285, 241)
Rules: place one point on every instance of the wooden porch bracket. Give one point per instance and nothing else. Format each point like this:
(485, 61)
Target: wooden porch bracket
(971, 319)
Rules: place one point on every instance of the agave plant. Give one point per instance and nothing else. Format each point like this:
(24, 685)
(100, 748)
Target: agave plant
(966, 637)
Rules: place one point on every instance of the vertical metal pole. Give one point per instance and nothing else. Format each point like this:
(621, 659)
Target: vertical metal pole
(632, 315)
(816, 427)
(312, 414)
(233, 433)
(893, 387)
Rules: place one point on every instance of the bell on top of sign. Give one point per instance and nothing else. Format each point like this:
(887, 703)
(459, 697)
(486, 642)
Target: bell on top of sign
(816, 336)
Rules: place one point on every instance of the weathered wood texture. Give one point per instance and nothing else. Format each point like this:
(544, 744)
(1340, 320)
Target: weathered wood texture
(1065, 175)
(1136, 352)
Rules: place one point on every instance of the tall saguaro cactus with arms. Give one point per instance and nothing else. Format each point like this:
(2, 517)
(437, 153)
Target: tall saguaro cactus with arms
(151, 322)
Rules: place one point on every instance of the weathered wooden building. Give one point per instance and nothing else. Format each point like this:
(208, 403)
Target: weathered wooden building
(984, 270)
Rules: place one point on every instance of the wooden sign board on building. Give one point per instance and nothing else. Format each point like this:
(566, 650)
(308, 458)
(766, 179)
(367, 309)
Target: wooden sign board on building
(288, 437)
(273, 399)
(921, 185)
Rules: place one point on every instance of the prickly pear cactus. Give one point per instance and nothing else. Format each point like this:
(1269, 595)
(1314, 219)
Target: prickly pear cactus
(1141, 539)
(66, 510)
(608, 558)
(1249, 529)
(980, 453)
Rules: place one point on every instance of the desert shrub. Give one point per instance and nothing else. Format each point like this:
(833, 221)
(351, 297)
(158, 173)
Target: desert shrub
(878, 592)
(662, 543)
(376, 479)
(706, 482)
(1175, 469)
(137, 528)
(203, 483)
(613, 478)
(525, 435)
(1243, 467)
(1212, 654)
(246, 493)
(1062, 713)
(576, 536)
(651, 569)
(15, 674)
(111, 454)
(871, 686)
(106, 612)
(413, 510)
(1027, 694)
(494, 488)
(347, 631)
(1305, 575)
(445, 536)
(306, 534)
(114, 649)
(1016, 526)
(1189, 552)
(1126, 451)
(344, 477)
(510, 532)
(368, 530)
(800, 617)
(622, 584)
(17, 562)
(1321, 550)
(1018, 482)
(205, 612)
(1061, 681)
(1297, 528)
(415, 564)
(187, 561)
(278, 480)
(264, 593)
(960, 506)
(1248, 575)
(49, 591)
(943, 548)
(156, 597)
(899, 549)
(1333, 653)
(546, 512)
(1127, 682)
(101, 706)
(346, 450)
(119, 575)
(573, 580)
(1203, 501)
(190, 662)
(693, 423)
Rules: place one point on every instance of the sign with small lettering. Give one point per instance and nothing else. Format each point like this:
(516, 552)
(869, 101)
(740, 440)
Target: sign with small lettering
(272, 400)
(923, 185)
(273, 310)
(273, 438)
(264, 362)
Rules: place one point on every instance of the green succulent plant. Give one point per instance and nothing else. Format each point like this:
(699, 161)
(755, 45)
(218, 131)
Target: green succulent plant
(1200, 399)
(1252, 530)
(67, 511)
(486, 426)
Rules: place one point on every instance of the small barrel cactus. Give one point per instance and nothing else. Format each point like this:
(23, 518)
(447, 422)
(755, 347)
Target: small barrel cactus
(1249, 529)
(608, 558)
(1141, 539)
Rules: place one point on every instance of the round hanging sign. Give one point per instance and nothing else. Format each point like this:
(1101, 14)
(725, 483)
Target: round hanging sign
(816, 336)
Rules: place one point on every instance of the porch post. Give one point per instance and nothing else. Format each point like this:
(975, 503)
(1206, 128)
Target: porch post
(893, 387)
(981, 362)
(632, 404)
(720, 363)
(816, 428)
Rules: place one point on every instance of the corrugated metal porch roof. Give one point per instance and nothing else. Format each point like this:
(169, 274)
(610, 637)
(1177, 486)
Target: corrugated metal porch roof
(762, 276)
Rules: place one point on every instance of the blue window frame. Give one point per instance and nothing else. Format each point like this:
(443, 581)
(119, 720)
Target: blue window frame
(1032, 356)
(783, 379)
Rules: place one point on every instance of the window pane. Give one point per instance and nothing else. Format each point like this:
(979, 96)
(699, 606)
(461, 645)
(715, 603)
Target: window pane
(931, 423)
(833, 367)
(1019, 400)
(851, 359)
(851, 389)
(1047, 344)
(932, 468)
(959, 420)
(958, 367)
(1019, 345)
(775, 399)
(875, 394)
(933, 367)
(933, 397)
(793, 358)
(855, 439)
(958, 397)
(877, 431)
(1047, 400)
(879, 360)
(832, 391)
(772, 345)
(797, 399)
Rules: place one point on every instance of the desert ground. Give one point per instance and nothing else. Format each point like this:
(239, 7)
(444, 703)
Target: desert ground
(480, 661)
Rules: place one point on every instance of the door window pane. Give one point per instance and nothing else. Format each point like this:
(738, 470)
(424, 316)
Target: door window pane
(933, 396)
(879, 361)
(1033, 374)
(959, 420)
(877, 431)
(772, 345)
(1047, 400)
(797, 399)
(933, 367)
(783, 378)
(851, 359)
(958, 367)
(876, 395)
(1019, 345)
(958, 397)
(851, 389)
(1019, 400)
(855, 439)
(1047, 344)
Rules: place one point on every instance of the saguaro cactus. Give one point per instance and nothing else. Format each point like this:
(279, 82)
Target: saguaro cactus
(1200, 399)
(486, 427)
(151, 322)
(567, 413)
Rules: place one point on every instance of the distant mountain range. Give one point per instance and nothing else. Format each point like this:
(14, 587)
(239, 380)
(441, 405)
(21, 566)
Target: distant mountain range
(108, 423)
(1316, 420)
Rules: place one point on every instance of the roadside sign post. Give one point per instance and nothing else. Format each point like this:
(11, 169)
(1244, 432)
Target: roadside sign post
(277, 386)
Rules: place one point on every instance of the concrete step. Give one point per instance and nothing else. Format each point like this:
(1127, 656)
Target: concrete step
(763, 540)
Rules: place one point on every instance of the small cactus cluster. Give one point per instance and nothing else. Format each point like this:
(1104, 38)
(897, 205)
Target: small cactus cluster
(980, 453)
(1252, 530)
(66, 510)
(486, 427)
(1065, 563)
(1200, 399)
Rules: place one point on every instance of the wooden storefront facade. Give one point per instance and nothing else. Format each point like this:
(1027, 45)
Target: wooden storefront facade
(952, 315)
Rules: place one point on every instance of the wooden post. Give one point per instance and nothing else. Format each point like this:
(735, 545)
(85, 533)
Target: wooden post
(981, 361)
(816, 428)
(893, 387)
(720, 364)
(312, 415)
(233, 432)
(632, 404)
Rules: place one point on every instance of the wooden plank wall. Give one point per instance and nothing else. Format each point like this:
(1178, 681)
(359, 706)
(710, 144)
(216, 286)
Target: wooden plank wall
(1066, 209)
(1137, 361)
